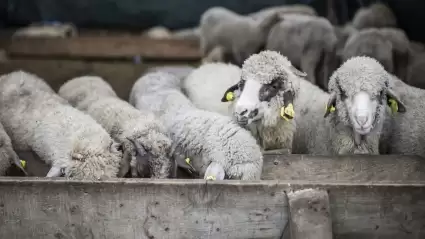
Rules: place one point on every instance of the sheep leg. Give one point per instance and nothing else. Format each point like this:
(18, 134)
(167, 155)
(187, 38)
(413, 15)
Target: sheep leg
(133, 167)
(214, 172)
(310, 62)
(125, 164)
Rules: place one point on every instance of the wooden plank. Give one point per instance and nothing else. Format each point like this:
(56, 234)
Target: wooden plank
(105, 47)
(350, 168)
(358, 169)
(121, 75)
(43, 208)
(310, 216)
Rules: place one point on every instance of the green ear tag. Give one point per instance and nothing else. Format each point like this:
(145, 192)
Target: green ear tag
(229, 96)
(393, 105)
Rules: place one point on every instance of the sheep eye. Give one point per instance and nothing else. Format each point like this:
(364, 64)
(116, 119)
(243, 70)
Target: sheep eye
(343, 95)
(267, 92)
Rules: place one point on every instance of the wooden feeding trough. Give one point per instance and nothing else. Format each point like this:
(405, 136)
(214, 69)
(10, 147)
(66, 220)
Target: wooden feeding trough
(300, 196)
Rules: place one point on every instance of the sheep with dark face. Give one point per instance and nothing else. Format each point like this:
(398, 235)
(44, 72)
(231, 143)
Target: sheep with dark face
(230, 37)
(264, 98)
(356, 108)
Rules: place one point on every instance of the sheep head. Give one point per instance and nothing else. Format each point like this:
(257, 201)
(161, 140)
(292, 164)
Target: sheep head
(266, 90)
(359, 94)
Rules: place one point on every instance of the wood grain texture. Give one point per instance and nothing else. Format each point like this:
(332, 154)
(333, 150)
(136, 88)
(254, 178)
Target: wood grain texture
(43, 208)
(140, 209)
(351, 168)
(310, 216)
(105, 47)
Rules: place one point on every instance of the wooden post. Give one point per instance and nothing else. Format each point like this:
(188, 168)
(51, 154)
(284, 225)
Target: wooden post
(310, 214)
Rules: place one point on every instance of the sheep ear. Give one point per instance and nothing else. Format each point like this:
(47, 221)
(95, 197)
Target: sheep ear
(297, 72)
(330, 106)
(394, 102)
(229, 94)
(269, 22)
(214, 172)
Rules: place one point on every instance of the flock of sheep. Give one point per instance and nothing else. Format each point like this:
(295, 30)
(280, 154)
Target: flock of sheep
(291, 85)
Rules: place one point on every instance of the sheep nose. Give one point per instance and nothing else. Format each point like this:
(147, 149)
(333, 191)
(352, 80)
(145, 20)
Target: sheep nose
(361, 119)
(253, 113)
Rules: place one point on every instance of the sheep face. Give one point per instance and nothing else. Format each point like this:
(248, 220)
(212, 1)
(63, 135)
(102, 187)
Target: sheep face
(359, 96)
(102, 164)
(265, 92)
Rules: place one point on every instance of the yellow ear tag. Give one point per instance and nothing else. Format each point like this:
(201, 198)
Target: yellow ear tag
(331, 109)
(393, 105)
(287, 113)
(213, 178)
(23, 163)
(229, 96)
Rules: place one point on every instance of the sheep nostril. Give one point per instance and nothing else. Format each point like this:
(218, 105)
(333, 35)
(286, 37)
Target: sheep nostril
(253, 113)
(362, 119)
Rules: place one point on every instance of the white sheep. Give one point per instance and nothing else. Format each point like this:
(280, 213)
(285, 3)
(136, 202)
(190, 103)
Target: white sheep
(139, 132)
(181, 71)
(300, 9)
(406, 134)
(309, 42)
(231, 36)
(355, 107)
(71, 142)
(39, 29)
(217, 146)
(8, 156)
(376, 15)
(390, 46)
(206, 84)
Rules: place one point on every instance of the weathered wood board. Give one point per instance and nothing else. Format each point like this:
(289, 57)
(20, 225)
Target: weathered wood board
(143, 208)
(108, 47)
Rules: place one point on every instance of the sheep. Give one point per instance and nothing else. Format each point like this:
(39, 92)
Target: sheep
(389, 46)
(158, 32)
(205, 85)
(138, 132)
(416, 71)
(231, 36)
(300, 9)
(406, 134)
(71, 142)
(40, 29)
(309, 42)
(181, 71)
(355, 110)
(8, 156)
(187, 34)
(218, 147)
(376, 15)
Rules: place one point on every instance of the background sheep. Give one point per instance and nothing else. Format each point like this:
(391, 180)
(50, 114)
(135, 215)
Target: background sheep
(376, 15)
(235, 36)
(416, 71)
(39, 29)
(181, 71)
(137, 131)
(215, 144)
(8, 156)
(300, 9)
(60, 135)
(309, 42)
(406, 134)
(354, 126)
(205, 86)
(389, 46)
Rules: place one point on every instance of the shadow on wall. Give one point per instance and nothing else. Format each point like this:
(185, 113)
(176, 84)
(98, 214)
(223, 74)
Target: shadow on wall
(142, 14)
